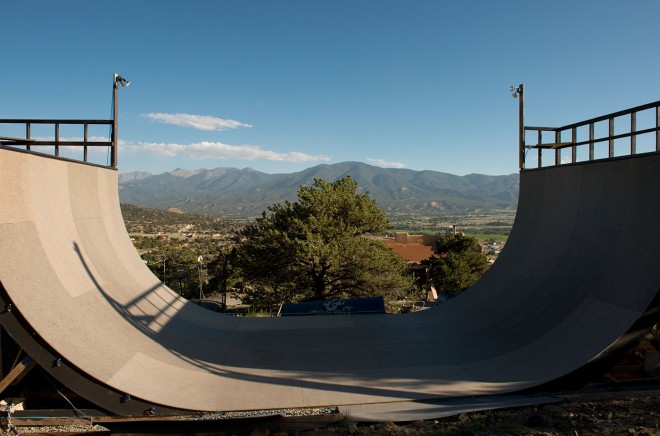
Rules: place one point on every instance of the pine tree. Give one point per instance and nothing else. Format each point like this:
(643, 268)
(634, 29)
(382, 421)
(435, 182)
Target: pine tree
(318, 248)
(459, 265)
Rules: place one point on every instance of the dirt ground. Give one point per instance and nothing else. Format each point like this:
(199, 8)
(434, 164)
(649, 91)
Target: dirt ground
(622, 414)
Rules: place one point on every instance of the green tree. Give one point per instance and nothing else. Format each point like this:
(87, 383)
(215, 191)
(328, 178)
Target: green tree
(221, 272)
(181, 268)
(317, 249)
(459, 265)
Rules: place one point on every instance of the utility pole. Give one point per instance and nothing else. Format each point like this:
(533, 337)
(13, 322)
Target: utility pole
(199, 261)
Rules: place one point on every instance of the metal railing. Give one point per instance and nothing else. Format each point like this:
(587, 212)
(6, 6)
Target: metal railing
(558, 143)
(27, 142)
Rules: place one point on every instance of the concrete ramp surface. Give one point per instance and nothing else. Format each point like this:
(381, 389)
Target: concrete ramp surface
(578, 276)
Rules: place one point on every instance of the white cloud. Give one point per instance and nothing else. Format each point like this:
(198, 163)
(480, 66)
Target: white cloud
(200, 122)
(386, 164)
(218, 150)
(68, 150)
(73, 138)
(566, 160)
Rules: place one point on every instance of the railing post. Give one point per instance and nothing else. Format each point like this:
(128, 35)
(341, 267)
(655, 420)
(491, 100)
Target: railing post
(539, 151)
(558, 150)
(85, 141)
(633, 136)
(521, 126)
(57, 139)
(574, 148)
(27, 135)
(657, 126)
(611, 141)
(591, 141)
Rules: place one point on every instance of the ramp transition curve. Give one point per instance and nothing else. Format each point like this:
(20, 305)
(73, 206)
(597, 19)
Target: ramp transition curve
(578, 277)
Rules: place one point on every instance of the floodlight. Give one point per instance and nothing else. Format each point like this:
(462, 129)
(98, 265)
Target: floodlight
(517, 90)
(120, 81)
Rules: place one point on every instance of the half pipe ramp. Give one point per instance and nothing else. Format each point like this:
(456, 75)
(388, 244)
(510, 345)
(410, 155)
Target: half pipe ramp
(579, 272)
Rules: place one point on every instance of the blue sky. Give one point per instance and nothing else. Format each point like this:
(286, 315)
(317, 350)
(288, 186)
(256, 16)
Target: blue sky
(280, 86)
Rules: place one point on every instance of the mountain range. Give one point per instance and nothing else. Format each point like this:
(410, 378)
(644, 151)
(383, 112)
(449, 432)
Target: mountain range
(245, 193)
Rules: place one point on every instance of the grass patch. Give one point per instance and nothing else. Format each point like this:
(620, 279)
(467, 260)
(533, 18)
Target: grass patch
(255, 313)
(488, 237)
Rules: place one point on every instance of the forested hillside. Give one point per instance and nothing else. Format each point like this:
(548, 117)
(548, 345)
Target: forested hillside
(245, 193)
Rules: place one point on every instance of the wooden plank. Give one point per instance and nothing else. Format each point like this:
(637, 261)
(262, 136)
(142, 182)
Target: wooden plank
(553, 145)
(55, 414)
(49, 422)
(22, 368)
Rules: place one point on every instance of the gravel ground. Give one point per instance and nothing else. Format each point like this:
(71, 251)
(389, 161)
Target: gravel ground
(619, 414)
(616, 416)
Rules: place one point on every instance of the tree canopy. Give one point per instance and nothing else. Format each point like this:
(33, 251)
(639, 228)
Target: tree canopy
(179, 268)
(460, 264)
(316, 248)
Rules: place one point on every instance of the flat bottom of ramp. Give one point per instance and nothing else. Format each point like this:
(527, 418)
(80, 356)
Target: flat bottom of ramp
(404, 411)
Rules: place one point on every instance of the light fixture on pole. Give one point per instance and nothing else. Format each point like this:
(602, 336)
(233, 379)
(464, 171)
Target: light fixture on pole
(516, 90)
(120, 81)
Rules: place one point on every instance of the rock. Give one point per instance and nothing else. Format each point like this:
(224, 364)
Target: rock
(260, 431)
(420, 424)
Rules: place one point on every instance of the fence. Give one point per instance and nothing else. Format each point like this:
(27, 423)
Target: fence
(28, 142)
(569, 136)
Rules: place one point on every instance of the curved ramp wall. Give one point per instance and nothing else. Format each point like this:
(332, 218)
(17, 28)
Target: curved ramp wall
(578, 271)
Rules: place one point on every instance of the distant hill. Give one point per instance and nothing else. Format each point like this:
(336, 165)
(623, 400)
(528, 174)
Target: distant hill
(234, 192)
(135, 175)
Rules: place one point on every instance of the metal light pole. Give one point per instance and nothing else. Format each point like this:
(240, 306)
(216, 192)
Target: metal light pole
(519, 93)
(117, 81)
